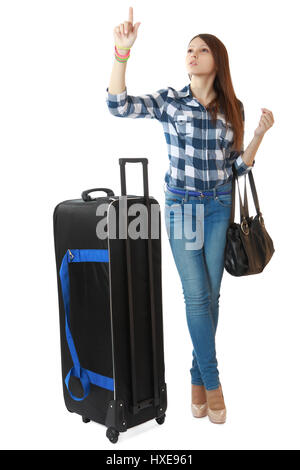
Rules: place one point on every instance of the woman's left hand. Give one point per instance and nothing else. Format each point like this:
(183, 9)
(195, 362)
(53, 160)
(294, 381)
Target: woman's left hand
(266, 121)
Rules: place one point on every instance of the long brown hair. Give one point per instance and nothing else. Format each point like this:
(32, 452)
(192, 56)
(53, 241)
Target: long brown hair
(226, 101)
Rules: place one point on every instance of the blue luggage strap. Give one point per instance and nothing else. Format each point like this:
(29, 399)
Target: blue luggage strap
(85, 376)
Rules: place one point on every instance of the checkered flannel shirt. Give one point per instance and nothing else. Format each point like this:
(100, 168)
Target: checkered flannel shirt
(200, 153)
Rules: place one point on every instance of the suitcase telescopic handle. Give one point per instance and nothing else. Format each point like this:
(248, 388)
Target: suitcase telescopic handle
(144, 161)
(86, 197)
(137, 406)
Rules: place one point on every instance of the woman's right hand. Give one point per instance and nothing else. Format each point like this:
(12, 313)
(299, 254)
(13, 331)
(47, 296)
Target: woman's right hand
(125, 33)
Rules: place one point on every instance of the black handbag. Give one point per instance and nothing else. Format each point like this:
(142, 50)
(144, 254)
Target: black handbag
(249, 247)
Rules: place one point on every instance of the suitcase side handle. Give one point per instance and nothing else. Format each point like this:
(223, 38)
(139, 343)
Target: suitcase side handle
(144, 161)
(86, 197)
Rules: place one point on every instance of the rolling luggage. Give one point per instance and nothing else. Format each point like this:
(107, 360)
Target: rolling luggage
(110, 306)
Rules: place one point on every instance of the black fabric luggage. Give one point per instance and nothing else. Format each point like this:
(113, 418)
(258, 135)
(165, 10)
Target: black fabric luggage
(110, 305)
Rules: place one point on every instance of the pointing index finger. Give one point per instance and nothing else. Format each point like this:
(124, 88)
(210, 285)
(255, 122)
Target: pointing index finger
(130, 18)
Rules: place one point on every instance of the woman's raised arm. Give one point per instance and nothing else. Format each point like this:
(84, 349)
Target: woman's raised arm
(119, 103)
(125, 35)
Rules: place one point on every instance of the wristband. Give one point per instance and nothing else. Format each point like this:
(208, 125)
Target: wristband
(123, 47)
(122, 55)
(121, 60)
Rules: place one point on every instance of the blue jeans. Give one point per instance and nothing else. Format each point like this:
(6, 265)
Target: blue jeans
(200, 265)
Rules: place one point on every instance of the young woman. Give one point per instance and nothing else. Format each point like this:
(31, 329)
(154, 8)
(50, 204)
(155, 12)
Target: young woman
(204, 128)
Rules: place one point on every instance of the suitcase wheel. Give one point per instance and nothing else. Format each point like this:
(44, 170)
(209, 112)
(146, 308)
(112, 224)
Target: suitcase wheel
(161, 419)
(85, 420)
(112, 434)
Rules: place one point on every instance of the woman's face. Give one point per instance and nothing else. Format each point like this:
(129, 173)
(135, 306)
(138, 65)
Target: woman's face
(199, 59)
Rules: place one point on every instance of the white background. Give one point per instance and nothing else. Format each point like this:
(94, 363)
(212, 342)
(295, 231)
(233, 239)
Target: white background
(58, 138)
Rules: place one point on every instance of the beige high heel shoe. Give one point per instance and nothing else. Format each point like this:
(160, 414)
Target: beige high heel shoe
(199, 402)
(216, 408)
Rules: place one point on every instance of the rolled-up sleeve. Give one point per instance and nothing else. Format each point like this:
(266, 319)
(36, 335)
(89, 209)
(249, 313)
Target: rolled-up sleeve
(150, 105)
(236, 156)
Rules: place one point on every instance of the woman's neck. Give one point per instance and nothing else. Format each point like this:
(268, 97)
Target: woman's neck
(205, 96)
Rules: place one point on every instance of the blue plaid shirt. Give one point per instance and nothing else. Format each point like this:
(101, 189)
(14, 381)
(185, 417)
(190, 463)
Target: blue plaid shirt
(200, 155)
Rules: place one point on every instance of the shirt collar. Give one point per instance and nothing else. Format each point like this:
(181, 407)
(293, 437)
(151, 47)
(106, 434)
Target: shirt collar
(186, 94)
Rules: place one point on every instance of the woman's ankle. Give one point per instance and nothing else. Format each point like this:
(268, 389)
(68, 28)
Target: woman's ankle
(215, 398)
(198, 394)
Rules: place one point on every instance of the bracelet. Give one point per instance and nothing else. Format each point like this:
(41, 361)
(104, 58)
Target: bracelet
(123, 47)
(121, 60)
(122, 55)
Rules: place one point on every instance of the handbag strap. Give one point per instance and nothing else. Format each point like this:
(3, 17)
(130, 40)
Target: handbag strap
(254, 193)
(245, 196)
(244, 210)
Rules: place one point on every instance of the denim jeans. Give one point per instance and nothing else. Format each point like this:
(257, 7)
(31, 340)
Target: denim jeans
(200, 265)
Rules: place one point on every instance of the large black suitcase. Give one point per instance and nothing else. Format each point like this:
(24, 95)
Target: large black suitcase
(110, 304)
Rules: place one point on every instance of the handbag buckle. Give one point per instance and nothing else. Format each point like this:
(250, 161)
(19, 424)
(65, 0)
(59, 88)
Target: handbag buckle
(246, 230)
(261, 220)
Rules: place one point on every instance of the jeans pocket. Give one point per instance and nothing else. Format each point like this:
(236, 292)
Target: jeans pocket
(172, 198)
(224, 200)
(172, 202)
